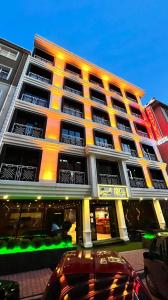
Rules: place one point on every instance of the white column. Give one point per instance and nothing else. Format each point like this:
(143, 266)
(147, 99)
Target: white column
(124, 175)
(87, 236)
(121, 220)
(93, 174)
(159, 214)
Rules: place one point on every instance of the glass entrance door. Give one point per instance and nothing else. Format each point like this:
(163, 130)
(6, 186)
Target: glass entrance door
(102, 219)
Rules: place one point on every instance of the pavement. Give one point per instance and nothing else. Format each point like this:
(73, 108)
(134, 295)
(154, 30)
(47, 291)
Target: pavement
(33, 283)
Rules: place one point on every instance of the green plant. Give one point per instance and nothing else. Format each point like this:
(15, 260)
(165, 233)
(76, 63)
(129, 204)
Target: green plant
(12, 243)
(48, 241)
(2, 243)
(37, 242)
(24, 243)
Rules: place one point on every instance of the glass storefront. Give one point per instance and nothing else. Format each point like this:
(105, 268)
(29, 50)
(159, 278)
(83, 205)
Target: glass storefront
(18, 218)
(103, 220)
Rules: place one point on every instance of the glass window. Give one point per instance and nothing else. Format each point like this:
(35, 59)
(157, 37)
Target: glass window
(8, 52)
(5, 72)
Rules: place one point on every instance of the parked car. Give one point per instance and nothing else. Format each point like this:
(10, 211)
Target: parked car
(97, 275)
(156, 266)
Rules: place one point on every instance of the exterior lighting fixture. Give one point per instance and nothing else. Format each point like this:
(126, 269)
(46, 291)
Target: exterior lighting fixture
(5, 197)
(60, 56)
(85, 68)
(166, 198)
(105, 77)
(154, 198)
(141, 199)
(39, 197)
(66, 198)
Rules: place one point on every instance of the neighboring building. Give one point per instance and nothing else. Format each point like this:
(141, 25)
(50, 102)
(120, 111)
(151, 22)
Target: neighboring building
(78, 146)
(12, 61)
(158, 115)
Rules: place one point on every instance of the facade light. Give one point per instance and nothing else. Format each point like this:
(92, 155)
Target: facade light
(66, 198)
(39, 197)
(5, 197)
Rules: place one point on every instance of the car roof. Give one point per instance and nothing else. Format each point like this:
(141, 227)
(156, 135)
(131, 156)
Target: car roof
(89, 261)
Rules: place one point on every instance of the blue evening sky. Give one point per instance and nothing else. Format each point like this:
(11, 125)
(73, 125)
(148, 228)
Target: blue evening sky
(127, 37)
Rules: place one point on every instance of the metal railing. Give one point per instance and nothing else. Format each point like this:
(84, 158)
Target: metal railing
(68, 139)
(8, 54)
(17, 172)
(132, 99)
(27, 130)
(150, 156)
(74, 91)
(119, 108)
(136, 182)
(98, 100)
(159, 184)
(124, 127)
(39, 77)
(72, 111)
(117, 92)
(35, 100)
(96, 83)
(100, 120)
(108, 179)
(73, 73)
(142, 133)
(106, 145)
(137, 115)
(130, 151)
(43, 59)
(71, 177)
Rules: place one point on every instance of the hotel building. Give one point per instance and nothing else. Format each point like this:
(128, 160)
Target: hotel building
(77, 145)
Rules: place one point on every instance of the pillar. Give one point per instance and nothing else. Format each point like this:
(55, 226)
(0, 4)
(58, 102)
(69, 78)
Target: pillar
(93, 174)
(87, 236)
(159, 214)
(48, 169)
(124, 175)
(147, 176)
(139, 149)
(117, 144)
(53, 128)
(121, 220)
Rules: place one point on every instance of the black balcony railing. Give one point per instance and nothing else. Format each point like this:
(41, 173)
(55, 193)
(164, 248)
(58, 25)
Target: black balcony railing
(73, 73)
(35, 100)
(72, 111)
(119, 108)
(108, 179)
(71, 90)
(98, 100)
(100, 120)
(159, 184)
(27, 130)
(68, 139)
(137, 115)
(130, 151)
(96, 83)
(39, 77)
(71, 177)
(150, 156)
(43, 59)
(142, 133)
(17, 172)
(136, 182)
(124, 127)
(106, 145)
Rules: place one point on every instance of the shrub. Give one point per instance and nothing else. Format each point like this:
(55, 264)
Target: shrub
(12, 243)
(37, 242)
(67, 238)
(48, 241)
(24, 243)
(2, 243)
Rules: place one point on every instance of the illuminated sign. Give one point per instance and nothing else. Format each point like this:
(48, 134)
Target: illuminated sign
(153, 122)
(162, 141)
(112, 191)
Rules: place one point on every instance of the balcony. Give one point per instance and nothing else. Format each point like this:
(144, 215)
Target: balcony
(115, 89)
(136, 182)
(105, 145)
(39, 77)
(101, 120)
(43, 59)
(108, 179)
(71, 177)
(27, 130)
(124, 127)
(72, 111)
(68, 139)
(159, 184)
(119, 108)
(131, 151)
(73, 73)
(150, 156)
(34, 100)
(71, 90)
(136, 115)
(98, 100)
(142, 133)
(17, 172)
(131, 96)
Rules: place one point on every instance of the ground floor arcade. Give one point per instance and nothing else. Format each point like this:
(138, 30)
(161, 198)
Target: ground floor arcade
(92, 221)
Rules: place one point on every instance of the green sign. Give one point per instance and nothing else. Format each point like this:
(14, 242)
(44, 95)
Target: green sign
(112, 191)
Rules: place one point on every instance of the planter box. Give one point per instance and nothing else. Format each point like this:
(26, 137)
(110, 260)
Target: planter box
(22, 262)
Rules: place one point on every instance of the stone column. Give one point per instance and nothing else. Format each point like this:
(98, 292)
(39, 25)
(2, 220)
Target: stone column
(93, 174)
(159, 214)
(121, 220)
(87, 236)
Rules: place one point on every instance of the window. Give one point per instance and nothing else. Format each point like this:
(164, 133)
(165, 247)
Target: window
(8, 52)
(1, 93)
(5, 72)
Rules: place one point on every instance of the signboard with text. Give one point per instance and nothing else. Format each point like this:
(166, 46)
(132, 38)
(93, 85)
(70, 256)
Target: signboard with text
(112, 191)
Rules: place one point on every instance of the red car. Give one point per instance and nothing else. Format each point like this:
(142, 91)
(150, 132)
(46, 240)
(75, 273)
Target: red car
(94, 275)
